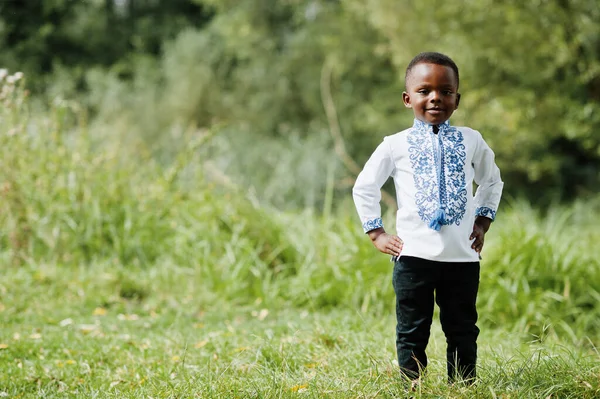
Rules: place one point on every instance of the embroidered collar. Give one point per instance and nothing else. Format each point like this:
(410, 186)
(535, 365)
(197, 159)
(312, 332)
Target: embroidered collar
(421, 126)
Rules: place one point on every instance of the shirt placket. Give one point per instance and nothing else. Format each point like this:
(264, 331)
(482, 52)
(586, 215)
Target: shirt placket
(438, 155)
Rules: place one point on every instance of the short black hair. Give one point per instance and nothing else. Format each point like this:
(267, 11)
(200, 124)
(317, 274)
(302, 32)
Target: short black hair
(431, 58)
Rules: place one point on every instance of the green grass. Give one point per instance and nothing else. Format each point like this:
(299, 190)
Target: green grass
(80, 333)
(128, 277)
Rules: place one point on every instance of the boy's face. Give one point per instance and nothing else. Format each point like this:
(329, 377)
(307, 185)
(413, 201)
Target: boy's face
(432, 93)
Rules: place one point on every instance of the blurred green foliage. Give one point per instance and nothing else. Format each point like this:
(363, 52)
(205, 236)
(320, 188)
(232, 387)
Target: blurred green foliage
(41, 36)
(530, 74)
(69, 199)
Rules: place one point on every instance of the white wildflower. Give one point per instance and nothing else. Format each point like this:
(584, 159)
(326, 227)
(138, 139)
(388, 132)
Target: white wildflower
(18, 76)
(10, 79)
(66, 322)
(3, 73)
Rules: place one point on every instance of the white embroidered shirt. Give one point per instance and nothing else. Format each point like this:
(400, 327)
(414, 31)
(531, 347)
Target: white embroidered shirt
(433, 176)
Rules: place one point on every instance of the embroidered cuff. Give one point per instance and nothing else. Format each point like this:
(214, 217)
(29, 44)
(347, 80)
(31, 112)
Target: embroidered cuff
(372, 224)
(485, 211)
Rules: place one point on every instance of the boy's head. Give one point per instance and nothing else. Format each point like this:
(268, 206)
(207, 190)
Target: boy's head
(431, 87)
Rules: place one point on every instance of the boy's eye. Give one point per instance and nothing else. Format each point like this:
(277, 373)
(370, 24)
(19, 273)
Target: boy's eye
(422, 91)
(448, 92)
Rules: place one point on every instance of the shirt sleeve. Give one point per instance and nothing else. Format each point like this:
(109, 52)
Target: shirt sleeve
(367, 189)
(489, 183)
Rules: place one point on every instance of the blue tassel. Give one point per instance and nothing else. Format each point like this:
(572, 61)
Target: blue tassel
(437, 220)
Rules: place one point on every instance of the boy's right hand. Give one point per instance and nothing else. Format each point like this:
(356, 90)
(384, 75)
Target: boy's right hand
(386, 243)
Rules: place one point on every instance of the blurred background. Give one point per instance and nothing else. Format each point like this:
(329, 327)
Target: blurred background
(294, 88)
(208, 147)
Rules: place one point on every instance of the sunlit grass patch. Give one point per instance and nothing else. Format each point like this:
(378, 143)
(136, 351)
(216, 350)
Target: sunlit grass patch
(171, 343)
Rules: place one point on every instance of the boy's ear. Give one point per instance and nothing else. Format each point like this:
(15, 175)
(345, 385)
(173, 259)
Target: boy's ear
(406, 99)
(457, 99)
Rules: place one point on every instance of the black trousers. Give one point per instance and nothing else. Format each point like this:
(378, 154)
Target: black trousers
(453, 286)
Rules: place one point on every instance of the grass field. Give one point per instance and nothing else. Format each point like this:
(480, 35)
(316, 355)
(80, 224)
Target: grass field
(126, 277)
(83, 333)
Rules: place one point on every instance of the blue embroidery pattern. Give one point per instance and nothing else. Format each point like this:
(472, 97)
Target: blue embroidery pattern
(372, 224)
(485, 211)
(447, 189)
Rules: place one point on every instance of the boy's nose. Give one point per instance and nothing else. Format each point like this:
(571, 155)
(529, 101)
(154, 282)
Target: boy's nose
(435, 96)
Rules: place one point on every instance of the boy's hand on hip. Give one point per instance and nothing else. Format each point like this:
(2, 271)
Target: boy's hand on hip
(386, 243)
(480, 227)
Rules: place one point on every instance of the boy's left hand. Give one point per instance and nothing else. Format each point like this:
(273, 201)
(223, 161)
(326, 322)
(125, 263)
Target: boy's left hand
(480, 227)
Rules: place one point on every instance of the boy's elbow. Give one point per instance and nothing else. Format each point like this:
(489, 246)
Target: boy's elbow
(499, 184)
(357, 193)
(364, 193)
(358, 186)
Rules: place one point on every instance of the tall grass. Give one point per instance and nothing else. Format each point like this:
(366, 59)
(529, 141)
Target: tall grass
(542, 271)
(71, 198)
